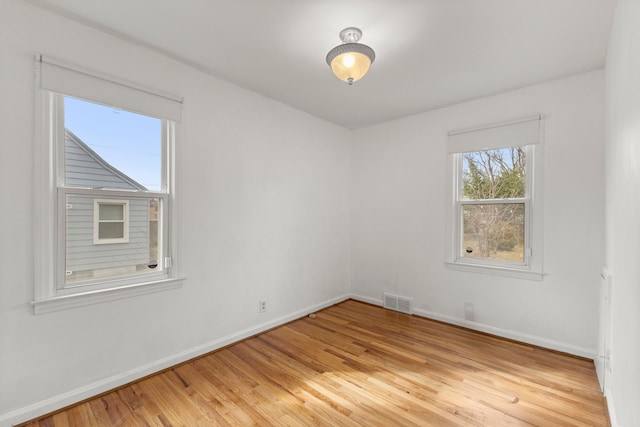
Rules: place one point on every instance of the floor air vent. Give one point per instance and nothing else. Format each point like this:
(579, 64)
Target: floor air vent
(398, 303)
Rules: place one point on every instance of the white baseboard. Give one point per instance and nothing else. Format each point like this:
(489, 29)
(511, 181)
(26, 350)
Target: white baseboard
(65, 399)
(613, 420)
(368, 300)
(73, 396)
(504, 333)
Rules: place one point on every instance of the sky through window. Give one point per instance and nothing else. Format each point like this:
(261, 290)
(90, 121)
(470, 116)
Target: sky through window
(130, 142)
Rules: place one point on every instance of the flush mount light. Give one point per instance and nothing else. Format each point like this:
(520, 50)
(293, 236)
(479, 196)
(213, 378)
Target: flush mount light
(351, 60)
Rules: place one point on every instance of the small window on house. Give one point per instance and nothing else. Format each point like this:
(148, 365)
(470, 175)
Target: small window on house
(111, 222)
(108, 190)
(495, 215)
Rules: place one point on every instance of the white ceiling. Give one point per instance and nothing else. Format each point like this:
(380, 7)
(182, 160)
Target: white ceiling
(429, 53)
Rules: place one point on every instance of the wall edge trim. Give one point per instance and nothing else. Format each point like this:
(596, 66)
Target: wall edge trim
(500, 332)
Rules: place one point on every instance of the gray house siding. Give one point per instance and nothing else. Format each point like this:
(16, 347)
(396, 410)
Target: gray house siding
(83, 254)
(85, 168)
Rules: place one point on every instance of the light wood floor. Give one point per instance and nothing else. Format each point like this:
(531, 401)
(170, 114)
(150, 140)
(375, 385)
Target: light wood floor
(358, 365)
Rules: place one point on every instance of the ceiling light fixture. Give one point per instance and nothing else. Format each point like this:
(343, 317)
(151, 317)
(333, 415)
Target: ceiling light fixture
(351, 60)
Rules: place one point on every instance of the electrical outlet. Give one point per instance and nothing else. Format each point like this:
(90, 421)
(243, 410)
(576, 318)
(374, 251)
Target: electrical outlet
(468, 311)
(263, 305)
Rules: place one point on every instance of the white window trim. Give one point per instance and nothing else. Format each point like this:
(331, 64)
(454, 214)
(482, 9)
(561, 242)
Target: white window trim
(47, 297)
(97, 221)
(532, 268)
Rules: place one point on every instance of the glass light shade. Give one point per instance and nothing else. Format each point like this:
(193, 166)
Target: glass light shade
(350, 61)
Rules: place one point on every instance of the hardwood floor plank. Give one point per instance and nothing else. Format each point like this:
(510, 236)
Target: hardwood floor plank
(205, 396)
(352, 365)
(289, 373)
(296, 377)
(226, 396)
(81, 415)
(130, 398)
(306, 386)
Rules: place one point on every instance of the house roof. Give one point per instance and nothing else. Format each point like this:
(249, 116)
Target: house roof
(95, 172)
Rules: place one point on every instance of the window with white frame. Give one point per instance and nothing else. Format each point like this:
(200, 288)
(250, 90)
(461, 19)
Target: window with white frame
(110, 221)
(495, 210)
(106, 188)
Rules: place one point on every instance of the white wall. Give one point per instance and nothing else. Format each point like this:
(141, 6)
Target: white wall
(267, 195)
(264, 214)
(399, 215)
(623, 212)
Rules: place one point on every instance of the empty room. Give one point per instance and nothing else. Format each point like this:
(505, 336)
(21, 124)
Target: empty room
(299, 212)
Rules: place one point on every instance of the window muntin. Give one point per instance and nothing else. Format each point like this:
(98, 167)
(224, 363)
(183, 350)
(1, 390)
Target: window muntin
(492, 202)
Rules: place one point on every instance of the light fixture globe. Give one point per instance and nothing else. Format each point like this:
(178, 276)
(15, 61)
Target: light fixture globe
(351, 60)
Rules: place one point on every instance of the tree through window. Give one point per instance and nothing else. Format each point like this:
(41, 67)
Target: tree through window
(493, 204)
(494, 209)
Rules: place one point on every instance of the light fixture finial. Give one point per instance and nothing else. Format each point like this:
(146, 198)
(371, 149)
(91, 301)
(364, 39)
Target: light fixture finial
(350, 35)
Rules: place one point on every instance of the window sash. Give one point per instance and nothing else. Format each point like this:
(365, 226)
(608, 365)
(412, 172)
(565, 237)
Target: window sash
(106, 283)
(492, 201)
(459, 246)
(460, 202)
(56, 104)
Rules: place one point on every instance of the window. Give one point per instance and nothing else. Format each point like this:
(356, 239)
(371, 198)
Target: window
(105, 189)
(110, 222)
(494, 204)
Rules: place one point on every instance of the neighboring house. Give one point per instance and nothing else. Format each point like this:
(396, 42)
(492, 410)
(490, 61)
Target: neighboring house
(106, 233)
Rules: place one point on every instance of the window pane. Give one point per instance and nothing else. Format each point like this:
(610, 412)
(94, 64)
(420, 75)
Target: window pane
(111, 212)
(111, 230)
(85, 260)
(110, 148)
(493, 232)
(494, 174)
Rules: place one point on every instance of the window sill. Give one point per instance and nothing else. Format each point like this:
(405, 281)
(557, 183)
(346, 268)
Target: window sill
(497, 271)
(65, 302)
